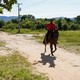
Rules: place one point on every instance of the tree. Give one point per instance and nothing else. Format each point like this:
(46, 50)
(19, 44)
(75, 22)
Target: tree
(59, 24)
(1, 23)
(14, 21)
(67, 19)
(78, 19)
(23, 17)
(31, 17)
(65, 27)
(6, 4)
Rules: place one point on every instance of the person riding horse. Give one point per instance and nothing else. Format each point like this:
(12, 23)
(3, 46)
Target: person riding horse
(51, 36)
(50, 28)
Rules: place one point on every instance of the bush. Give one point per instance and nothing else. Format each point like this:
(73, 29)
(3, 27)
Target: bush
(75, 27)
(1, 23)
(10, 26)
(65, 27)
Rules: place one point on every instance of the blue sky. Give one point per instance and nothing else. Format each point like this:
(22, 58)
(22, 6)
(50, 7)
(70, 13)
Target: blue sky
(47, 8)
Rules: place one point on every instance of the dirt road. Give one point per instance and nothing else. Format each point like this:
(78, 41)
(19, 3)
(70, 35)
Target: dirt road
(64, 66)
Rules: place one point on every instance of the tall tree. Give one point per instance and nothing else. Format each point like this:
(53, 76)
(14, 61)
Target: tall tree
(78, 19)
(1, 23)
(67, 19)
(59, 24)
(23, 17)
(31, 16)
(6, 4)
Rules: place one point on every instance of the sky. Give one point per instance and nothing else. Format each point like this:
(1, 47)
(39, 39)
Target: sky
(46, 8)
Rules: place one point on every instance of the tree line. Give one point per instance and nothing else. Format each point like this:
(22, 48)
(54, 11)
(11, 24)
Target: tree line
(30, 22)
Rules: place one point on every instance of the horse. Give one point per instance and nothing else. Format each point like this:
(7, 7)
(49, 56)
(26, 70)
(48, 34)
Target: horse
(52, 39)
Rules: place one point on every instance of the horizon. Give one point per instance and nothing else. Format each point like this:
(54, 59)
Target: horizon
(37, 17)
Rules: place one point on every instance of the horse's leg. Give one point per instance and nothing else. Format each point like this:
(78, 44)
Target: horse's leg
(55, 47)
(45, 44)
(45, 48)
(51, 47)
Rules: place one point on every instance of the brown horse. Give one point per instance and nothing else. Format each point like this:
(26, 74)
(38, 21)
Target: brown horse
(52, 39)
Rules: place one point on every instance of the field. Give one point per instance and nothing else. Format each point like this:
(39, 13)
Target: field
(70, 40)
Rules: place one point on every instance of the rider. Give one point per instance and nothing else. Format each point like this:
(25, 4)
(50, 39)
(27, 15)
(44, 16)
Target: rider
(50, 27)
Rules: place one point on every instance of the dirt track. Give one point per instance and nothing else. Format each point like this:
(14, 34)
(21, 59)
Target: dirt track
(64, 66)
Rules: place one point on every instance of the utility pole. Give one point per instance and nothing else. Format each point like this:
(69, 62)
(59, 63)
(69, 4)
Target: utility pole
(19, 9)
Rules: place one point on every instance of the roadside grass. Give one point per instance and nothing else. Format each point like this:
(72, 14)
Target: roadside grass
(16, 67)
(23, 31)
(70, 40)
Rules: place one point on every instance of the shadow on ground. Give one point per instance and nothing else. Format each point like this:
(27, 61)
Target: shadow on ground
(47, 59)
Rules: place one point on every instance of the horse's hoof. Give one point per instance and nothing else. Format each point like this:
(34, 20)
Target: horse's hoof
(44, 52)
(54, 50)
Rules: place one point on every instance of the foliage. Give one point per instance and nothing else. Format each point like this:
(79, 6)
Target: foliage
(65, 27)
(30, 22)
(6, 4)
(10, 25)
(78, 19)
(27, 16)
(1, 23)
(59, 24)
(14, 21)
(1, 10)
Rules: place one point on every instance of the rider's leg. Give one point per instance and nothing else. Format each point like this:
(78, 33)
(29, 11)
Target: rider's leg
(47, 36)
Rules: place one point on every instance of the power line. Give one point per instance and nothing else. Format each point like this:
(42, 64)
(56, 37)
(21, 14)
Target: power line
(35, 4)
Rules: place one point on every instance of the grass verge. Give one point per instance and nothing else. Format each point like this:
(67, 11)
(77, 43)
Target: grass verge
(16, 67)
(70, 40)
(23, 31)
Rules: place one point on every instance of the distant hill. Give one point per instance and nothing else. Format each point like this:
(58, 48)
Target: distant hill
(63, 18)
(6, 18)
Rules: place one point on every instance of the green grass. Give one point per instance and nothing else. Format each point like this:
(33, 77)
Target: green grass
(16, 67)
(70, 40)
(23, 31)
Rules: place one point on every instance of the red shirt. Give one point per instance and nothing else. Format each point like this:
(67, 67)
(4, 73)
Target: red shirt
(51, 26)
